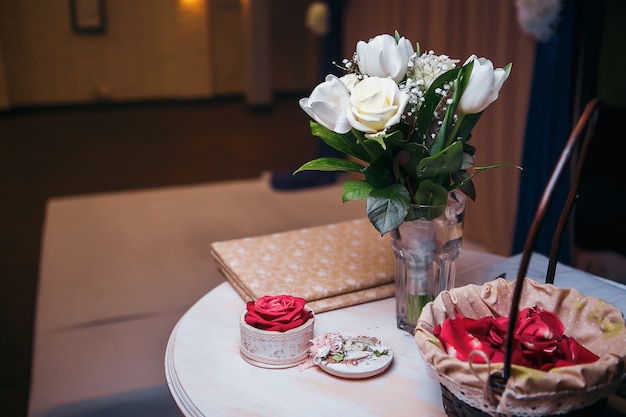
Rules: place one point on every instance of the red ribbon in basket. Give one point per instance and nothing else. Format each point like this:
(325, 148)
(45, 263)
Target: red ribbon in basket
(539, 340)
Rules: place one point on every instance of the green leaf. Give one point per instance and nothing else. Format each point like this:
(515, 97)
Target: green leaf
(331, 164)
(338, 357)
(355, 190)
(507, 69)
(444, 138)
(407, 156)
(447, 161)
(466, 125)
(380, 140)
(373, 143)
(383, 140)
(431, 100)
(498, 165)
(380, 172)
(469, 149)
(416, 153)
(346, 143)
(469, 189)
(429, 194)
(464, 182)
(388, 207)
(396, 139)
(372, 147)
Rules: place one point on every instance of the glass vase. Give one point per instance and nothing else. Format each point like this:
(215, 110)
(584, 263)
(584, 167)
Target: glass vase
(426, 246)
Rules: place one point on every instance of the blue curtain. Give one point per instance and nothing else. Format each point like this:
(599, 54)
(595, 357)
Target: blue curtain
(548, 126)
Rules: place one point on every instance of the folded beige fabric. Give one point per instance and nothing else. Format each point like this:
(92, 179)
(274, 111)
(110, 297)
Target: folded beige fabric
(331, 266)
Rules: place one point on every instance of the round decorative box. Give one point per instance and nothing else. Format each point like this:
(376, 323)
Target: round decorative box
(272, 349)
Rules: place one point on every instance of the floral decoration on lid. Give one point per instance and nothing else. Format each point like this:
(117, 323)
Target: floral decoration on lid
(277, 312)
(351, 350)
(350, 356)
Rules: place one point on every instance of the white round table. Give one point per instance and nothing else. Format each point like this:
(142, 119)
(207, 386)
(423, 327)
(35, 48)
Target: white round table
(208, 377)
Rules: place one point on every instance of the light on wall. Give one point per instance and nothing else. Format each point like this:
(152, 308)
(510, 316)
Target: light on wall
(193, 5)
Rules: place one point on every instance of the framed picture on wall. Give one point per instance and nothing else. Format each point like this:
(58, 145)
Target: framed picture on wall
(87, 16)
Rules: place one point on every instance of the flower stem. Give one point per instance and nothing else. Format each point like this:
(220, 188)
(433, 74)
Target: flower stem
(416, 303)
(454, 131)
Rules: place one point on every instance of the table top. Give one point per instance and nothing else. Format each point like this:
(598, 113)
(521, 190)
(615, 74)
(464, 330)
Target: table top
(208, 377)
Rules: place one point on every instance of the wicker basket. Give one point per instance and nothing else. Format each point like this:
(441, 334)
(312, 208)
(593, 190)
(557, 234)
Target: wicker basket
(457, 408)
(579, 390)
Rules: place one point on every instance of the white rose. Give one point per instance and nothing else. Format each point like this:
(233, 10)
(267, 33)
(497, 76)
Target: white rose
(335, 343)
(483, 86)
(376, 104)
(327, 104)
(383, 57)
(323, 351)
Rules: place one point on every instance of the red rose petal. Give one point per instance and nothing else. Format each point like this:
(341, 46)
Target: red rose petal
(539, 340)
(277, 313)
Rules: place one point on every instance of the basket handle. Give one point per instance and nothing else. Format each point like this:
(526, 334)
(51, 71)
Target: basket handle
(586, 123)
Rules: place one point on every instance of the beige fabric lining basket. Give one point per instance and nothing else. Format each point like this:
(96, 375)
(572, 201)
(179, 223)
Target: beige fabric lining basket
(572, 390)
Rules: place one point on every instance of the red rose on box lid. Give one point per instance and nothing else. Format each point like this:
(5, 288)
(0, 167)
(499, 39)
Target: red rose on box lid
(277, 313)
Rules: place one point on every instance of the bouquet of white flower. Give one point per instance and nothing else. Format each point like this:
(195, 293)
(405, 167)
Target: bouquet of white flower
(408, 116)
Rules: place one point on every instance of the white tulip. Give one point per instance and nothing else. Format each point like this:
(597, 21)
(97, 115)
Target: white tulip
(383, 57)
(483, 86)
(327, 104)
(350, 80)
